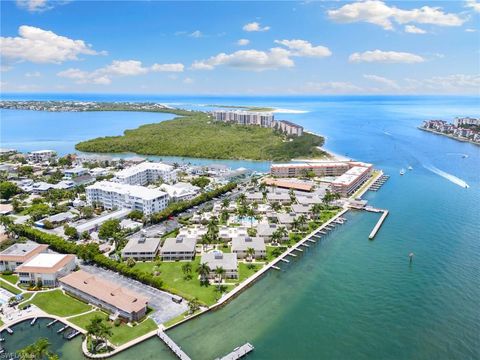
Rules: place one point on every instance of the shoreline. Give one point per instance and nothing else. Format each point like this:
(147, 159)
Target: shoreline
(449, 136)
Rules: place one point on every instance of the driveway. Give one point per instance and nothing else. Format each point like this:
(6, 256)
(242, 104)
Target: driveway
(164, 308)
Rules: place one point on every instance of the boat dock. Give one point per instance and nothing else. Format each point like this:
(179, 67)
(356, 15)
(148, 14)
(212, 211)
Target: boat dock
(377, 184)
(379, 223)
(10, 331)
(239, 352)
(177, 350)
(62, 329)
(33, 321)
(52, 322)
(72, 334)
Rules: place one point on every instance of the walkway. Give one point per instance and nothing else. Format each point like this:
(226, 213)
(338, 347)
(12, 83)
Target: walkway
(177, 350)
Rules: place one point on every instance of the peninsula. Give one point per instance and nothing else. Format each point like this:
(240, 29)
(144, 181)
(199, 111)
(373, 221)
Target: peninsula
(463, 129)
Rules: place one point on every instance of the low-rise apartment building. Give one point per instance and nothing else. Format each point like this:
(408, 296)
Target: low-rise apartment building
(226, 261)
(46, 268)
(326, 168)
(350, 181)
(107, 295)
(112, 195)
(240, 246)
(19, 253)
(41, 155)
(146, 173)
(141, 248)
(179, 248)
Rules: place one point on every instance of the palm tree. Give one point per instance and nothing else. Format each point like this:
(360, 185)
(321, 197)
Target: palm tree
(98, 329)
(282, 230)
(193, 306)
(212, 229)
(262, 187)
(37, 350)
(291, 193)
(187, 269)
(242, 198)
(317, 209)
(250, 253)
(219, 271)
(204, 270)
(302, 220)
(225, 203)
(250, 213)
(295, 224)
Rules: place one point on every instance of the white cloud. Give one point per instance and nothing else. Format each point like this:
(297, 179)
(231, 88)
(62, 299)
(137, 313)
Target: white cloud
(470, 30)
(474, 5)
(168, 67)
(382, 80)
(104, 75)
(304, 48)
(243, 42)
(196, 34)
(188, 80)
(412, 29)
(248, 60)
(255, 26)
(449, 84)
(33, 5)
(332, 87)
(33, 74)
(42, 46)
(5, 68)
(386, 57)
(378, 13)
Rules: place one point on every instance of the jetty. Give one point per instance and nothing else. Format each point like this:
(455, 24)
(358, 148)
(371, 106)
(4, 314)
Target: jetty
(62, 329)
(34, 320)
(377, 184)
(177, 350)
(379, 223)
(52, 322)
(238, 352)
(72, 334)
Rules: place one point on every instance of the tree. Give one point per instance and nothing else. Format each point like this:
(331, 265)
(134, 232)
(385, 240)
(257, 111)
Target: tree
(187, 269)
(251, 214)
(220, 272)
(71, 232)
(130, 262)
(330, 196)
(224, 215)
(204, 270)
(37, 350)
(291, 193)
(212, 229)
(302, 220)
(250, 253)
(109, 228)
(193, 306)
(201, 181)
(242, 198)
(8, 189)
(85, 235)
(87, 212)
(135, 215)
(98, 329)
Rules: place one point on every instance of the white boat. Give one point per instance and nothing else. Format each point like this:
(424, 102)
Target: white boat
(402, 171)
(410, 168)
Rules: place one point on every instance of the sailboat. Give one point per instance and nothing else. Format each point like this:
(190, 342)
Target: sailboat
(410, 168)
(402, 171)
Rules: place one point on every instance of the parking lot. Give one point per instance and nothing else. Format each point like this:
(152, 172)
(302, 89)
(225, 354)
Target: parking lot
(164, 308)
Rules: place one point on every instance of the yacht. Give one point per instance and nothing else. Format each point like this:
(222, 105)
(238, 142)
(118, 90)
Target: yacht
(410, 168)
(402, 171)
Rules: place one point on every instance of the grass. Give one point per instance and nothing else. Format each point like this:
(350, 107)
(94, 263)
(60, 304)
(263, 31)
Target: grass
(367, 183)
(27, 296)
(175, 320)
(12, 278)
(197, 135)
(124, 333)
(244, 272)
(271, 249)
(173, 280)
(84, 320)
(57, 303)
(8, 287)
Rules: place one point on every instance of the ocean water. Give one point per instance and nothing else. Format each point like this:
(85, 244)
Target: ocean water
(348, 297)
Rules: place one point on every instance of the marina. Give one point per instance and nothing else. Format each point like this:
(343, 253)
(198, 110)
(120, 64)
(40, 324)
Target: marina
(377, 184)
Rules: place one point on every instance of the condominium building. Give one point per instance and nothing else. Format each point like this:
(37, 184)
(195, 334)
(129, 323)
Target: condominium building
(114, 195)
(351, 180)
(41, 155)
(146, 173)
(19, 253)
(107, 295)
(141, 248)
(466, 121)
(217, 259)
(326, 168)
(260, 118)
(46, 268)
(288, 128)
(242, 244)
(179, 248)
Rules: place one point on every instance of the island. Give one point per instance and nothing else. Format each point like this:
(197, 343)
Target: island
(463, 129)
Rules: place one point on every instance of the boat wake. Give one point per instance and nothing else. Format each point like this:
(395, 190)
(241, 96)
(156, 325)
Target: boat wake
(290, 111)
(449, 177)
(387, 133)
(458, 154)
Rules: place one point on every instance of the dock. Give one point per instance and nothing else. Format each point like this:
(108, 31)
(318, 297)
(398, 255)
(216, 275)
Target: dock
(10, 331)
(62, 329)
(52, 322)
(177, 350)
(379, 223)
(377, 184)
(34, 320)
(72, 334)
(239, 352)
(276, 267)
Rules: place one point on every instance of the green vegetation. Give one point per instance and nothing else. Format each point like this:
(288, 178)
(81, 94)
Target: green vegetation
(8, 189)
(196, 135)
(57, 303)
(124, 333)
(84, 320)
(247, 270)
(175, 281)
(8, 287)
(11, 278)
(175, 319)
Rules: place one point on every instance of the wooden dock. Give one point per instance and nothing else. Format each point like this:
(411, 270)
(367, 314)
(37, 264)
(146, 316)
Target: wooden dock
(379, 223)
(239, 352)
(177, 350)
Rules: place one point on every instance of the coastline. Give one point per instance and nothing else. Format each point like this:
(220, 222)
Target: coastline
(449, 136)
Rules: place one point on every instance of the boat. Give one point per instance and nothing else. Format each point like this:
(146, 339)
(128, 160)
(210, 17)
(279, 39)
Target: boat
(402, 171)
(464, 156)
(410, 168)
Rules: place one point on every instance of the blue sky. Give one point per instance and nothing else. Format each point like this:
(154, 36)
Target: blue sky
(337, 47)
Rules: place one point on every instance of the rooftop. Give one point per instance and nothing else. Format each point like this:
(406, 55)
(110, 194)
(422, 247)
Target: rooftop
(22, 251)
(288, 184)
(180, 243)
(216, 258)
(131, 190)
(147, 245)
(350, 176)
(143, 167)
(242, 243)
(46, 263)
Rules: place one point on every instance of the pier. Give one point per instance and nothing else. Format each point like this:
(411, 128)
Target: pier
(379, 223)
(377, 184)
(62, 329)
(10, 331)
(177, 350)
(52, 322)
(72, 334)
(33, 321)
(238, 352)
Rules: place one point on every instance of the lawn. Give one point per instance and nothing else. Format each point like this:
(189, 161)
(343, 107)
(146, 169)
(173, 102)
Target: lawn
(84, 320)
(57, 303)
(8, 287)
(12, 278)
(124, 333)
(274, 251)
(173, 280)
(245, 272)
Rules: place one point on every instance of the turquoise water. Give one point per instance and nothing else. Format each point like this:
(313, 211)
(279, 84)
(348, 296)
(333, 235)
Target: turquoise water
(351, 298)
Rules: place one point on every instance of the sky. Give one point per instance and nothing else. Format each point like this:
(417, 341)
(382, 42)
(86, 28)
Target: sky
(240, 48)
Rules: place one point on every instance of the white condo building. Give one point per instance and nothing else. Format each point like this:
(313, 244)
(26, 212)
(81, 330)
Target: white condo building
(145, 173)
(260, 118)
(41, 155)
(114, 195)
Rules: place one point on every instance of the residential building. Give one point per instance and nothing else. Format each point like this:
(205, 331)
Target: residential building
(19, 253)
(180, 191)
(325, 168)
(278, 197)
(195, 232)
(241, 244)
(286, 219)
(254, 197)
(350, 181)
(228, 233)
(260, 118)
(75, 172)
(47, 268)
(41, 155)
(217, 259)
(146, 173)
(107, 295)
(57, 219)
(266, 230)
(141, 248)
(112, 195)
(288, 128)
(288, 184)
(94, 224)
(179, 248)
(302, 209)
